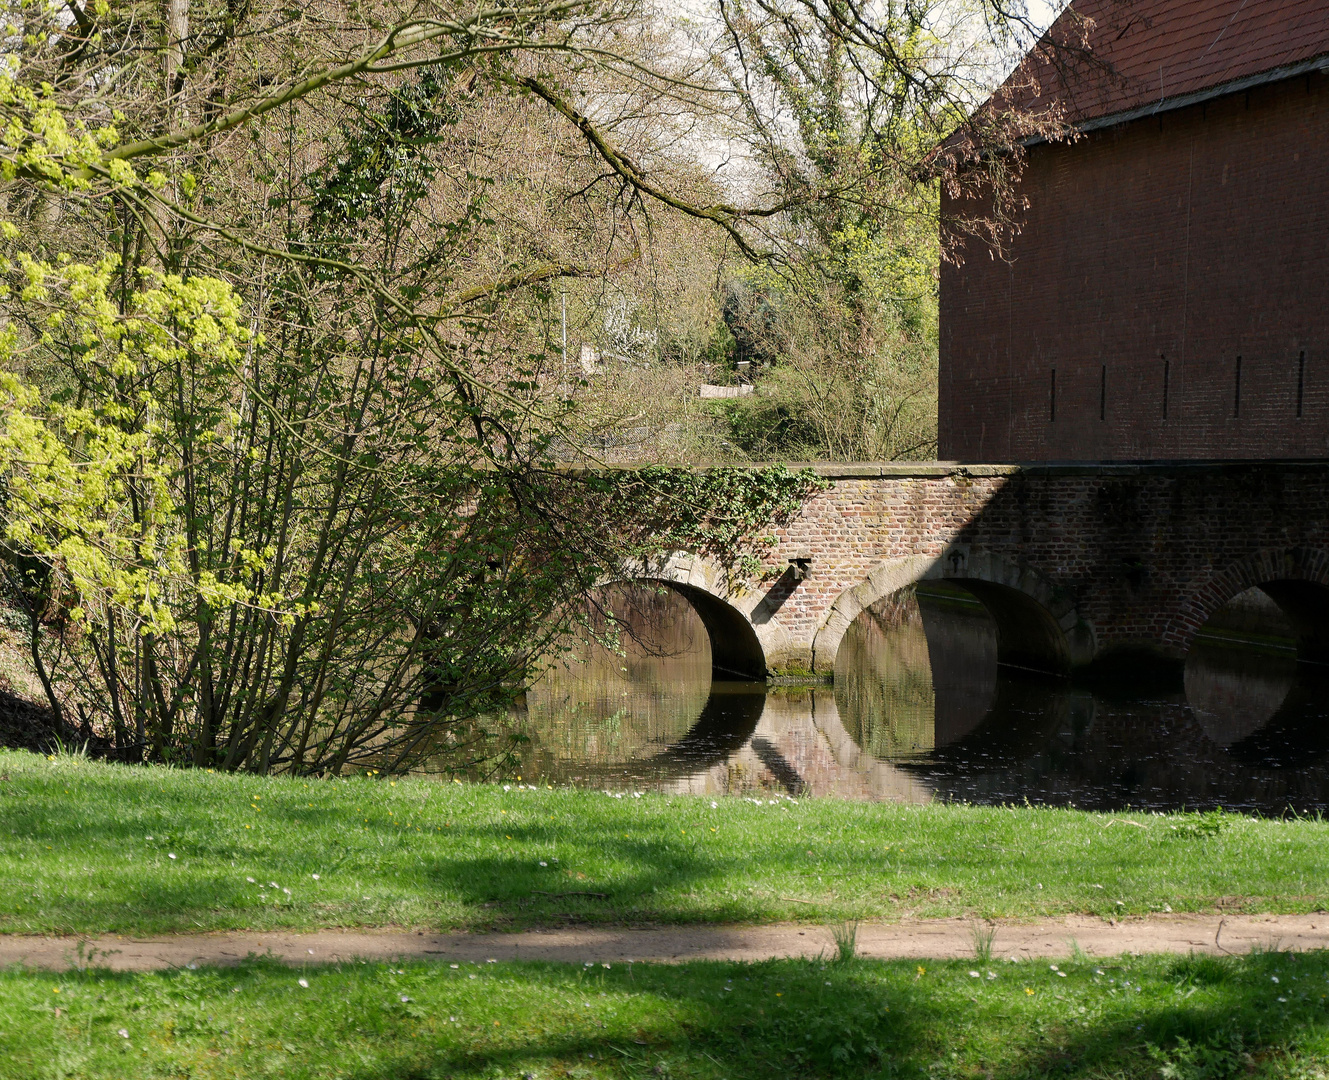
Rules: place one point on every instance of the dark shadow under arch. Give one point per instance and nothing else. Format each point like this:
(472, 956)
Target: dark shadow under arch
(1028, 636)
(735, 651)
(1306, 606)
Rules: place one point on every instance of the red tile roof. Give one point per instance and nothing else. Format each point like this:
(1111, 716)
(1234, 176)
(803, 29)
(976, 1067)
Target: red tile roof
(1126, 55)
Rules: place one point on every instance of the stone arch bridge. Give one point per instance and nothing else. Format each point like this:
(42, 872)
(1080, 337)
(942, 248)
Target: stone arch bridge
(1082, 566)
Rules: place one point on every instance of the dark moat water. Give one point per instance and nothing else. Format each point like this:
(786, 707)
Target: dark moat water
(921, 711)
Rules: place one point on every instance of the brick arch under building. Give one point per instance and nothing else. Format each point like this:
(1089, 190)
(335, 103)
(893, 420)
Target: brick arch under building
(1084, 565)
(725, 607)
(1038, 626)
(1296, 579)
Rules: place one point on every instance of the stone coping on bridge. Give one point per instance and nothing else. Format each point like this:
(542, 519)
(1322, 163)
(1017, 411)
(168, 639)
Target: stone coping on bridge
(906, 469)
(877, 470)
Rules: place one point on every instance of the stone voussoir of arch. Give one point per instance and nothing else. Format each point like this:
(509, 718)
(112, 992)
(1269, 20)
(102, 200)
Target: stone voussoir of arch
(696, 571)
(1269, 564)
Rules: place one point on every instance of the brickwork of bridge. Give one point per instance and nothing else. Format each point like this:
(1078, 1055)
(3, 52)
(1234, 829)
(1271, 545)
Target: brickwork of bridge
(1080, 565)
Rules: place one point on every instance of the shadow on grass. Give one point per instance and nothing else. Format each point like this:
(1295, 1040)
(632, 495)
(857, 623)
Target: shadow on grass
(1193, 1018)
(115, 870)
(875, 1020)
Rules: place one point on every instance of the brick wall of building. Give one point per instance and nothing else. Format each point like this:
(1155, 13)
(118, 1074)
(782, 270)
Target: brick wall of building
(1152, 255)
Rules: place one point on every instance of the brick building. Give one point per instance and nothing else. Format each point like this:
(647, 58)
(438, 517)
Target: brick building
(1167, 295)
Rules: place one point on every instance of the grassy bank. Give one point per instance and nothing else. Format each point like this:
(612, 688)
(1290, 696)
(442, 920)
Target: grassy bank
(1180, 1018)
(87, 847)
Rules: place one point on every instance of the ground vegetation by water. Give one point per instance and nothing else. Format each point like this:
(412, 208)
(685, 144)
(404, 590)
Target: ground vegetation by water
(1177, 1018)
(88, 848)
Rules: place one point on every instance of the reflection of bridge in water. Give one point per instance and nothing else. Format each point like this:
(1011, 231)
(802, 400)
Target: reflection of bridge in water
(1073, 749)
(798, 745)
(920, 709)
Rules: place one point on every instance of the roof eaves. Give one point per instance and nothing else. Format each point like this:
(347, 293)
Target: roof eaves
(1181, 101)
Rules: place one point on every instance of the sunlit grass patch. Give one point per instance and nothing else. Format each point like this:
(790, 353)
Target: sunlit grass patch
(88, 847)
(1263, 1015)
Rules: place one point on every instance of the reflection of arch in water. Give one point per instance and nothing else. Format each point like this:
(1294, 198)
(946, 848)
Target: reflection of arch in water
(1234, 692)
(1267, 711)
(1037, 625)
(1297, 580)
(800, 745)
(878, 779)
(723, 605)
(1297, 735)
(723, 727)
(884, 685)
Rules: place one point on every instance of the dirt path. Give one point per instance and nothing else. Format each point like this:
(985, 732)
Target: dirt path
(922, 939)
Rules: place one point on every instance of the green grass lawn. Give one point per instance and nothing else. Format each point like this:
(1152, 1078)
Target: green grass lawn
(87, 847)
(1179, 1018)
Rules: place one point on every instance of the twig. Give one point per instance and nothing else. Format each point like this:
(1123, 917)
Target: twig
(1219, 931)
(794, 900)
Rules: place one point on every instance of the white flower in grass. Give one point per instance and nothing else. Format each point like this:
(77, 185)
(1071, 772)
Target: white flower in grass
(314, 876)
(973, 974)
(405, 998)
(122, 1032)
(304, 983)
(1273, 978)
(251, 881)
(287, 891)
(171, 855)
(454, 966)
(543, 863)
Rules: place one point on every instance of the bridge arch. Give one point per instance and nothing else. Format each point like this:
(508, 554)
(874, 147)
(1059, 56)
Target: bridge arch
(721, 602)
(1038, 626)
(1296, 579)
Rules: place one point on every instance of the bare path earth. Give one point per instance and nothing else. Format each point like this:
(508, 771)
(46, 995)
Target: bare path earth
(920, 939)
